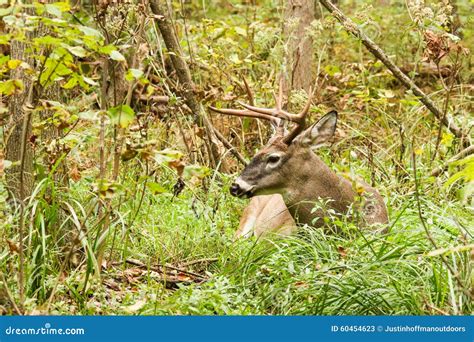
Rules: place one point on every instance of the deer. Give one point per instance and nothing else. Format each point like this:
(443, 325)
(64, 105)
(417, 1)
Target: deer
(265, 215)
(288, 166)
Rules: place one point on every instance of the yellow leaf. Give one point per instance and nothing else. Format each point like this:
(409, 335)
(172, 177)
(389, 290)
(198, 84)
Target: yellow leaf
(13, 63)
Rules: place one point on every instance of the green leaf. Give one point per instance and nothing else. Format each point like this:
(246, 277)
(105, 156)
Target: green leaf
(5, 38)
(156, 188)
(48, 40)
(107, 49)
(234, 58)
(5, 11)
(197, 171)
(90, 115)
(10, 20)
(53, 10)
(56, 9)
(88, 31)
(332, 70)
(71, 83)
(133, 74)
(13, 63)
(117, 56)
(241, 31)
(447, 139)
(167, 155)
(53, 69)
(77, 51)
(11, 87)
(122, 115)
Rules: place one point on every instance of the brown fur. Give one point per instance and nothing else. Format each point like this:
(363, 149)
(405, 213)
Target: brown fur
(266, 214)
(304, 179)
(310, 189)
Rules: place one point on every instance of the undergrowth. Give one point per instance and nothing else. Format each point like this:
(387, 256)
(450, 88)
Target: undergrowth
(94, 246)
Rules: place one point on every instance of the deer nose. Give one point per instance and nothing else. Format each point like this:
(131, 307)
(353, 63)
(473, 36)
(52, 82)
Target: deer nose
(235, 189)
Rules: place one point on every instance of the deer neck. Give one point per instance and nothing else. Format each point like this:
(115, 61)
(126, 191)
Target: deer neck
(316, 185)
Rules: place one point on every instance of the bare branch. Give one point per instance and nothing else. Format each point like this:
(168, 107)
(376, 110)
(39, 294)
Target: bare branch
(464, 153)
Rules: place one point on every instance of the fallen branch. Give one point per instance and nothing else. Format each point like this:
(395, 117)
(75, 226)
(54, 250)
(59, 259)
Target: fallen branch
(352, 28)
(159, 269)
(464, 153)
(155, 98)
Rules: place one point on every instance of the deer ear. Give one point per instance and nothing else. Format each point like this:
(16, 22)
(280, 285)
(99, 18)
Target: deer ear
(320, 132)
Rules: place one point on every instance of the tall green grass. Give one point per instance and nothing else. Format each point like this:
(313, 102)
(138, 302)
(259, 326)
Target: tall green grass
(312, 272)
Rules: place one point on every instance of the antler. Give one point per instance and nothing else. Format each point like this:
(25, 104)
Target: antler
(274, 115)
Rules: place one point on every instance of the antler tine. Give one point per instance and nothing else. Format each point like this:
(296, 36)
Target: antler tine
(243, 113)
(279, 99)
(275, 112)
(279, 124)
(274, 115)
(307, 106)
(300, 120)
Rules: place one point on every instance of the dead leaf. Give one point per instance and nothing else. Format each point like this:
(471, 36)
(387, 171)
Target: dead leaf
(342, 251)
(14, 247)
(178, 165)
(183, 277)
(133, 275)
(302, 284)
(111, 284)
(75, 174)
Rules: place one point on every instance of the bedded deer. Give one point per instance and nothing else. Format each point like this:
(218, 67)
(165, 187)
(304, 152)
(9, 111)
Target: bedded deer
(264, 215)
(288, 166)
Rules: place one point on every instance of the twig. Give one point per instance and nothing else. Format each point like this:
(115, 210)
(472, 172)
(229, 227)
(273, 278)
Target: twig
(464, 153)
(249, 91)
(352, 28)
(231, 148)
(155, 98)
(9, 295)
(452, 79)
(199, 261)
(159, 270)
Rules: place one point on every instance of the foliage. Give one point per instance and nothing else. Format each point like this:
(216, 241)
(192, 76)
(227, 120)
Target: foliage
(123, 172)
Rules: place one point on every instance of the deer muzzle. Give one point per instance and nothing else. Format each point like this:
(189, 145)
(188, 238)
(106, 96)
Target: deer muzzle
(241, 188)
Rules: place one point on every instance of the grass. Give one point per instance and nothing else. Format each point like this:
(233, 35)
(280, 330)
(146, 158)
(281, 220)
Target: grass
(309, 273)
(312, 272)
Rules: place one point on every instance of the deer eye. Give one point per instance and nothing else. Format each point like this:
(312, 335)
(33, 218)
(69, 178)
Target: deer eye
(273, 159)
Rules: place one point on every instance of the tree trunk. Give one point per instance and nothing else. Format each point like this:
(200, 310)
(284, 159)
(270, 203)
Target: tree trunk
(299, 55)
(187, 85)
(19, 184)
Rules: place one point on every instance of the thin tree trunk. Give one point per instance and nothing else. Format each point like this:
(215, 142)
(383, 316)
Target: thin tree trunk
(14, 133)
(352, 28)
(298, 17)
(187, 85)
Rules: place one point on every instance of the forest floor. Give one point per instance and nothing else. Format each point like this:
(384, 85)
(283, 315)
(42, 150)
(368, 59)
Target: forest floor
(142, 248)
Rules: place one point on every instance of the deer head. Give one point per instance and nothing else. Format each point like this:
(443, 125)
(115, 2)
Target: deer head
(270, 169)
